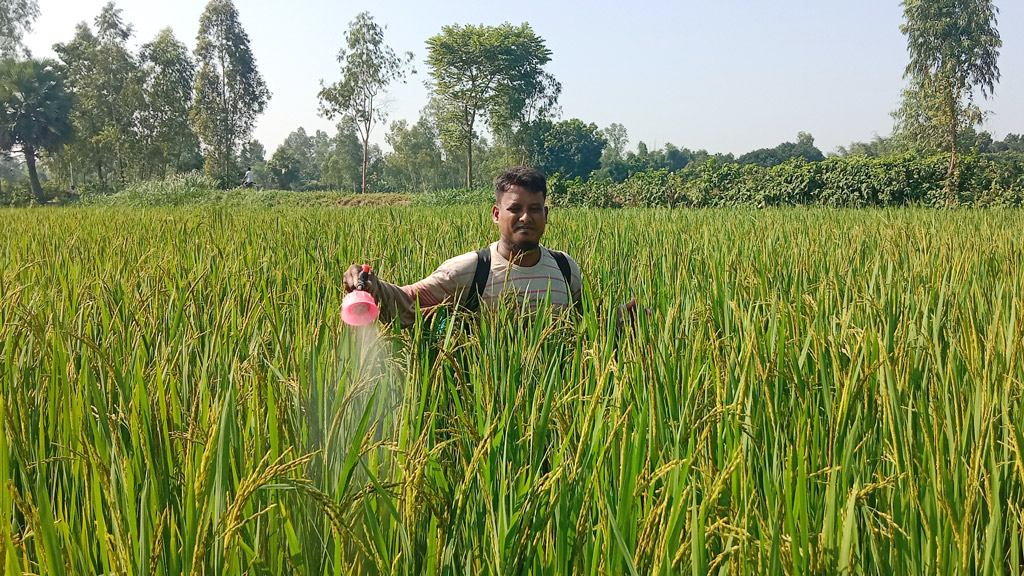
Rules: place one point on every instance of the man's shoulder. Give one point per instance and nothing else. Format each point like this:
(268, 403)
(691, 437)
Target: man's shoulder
(576, 275)
(561, 253)
(460, 264)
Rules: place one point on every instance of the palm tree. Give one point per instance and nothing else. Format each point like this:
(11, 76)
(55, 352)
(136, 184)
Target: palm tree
(35, 112)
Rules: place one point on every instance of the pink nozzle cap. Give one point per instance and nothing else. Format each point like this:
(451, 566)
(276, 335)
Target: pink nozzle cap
(358, 308)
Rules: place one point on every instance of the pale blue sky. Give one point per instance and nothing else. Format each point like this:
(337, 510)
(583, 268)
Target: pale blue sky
(726, 76)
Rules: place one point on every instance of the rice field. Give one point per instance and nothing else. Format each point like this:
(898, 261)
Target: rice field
(815, 392)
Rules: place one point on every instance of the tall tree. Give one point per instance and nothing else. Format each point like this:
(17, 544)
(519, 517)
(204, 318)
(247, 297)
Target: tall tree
(953, 46)
(368, 67)
(119, 81)
(486, 73)
(107, 80)
(87, 150)
(16, 18)
(617, 138)
(170, 74)
(35, 112)
(229, 91)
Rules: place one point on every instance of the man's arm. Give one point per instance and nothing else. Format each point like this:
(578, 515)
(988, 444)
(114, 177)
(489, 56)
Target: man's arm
(445, 285)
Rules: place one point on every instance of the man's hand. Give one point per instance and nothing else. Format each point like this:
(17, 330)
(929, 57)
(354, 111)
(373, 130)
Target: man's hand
(627, 313)
(351, 280)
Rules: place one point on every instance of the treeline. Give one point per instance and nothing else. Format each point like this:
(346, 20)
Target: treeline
(116, 117)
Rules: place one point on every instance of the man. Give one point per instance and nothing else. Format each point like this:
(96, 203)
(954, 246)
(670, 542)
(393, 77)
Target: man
(248, 181)
(516, 264)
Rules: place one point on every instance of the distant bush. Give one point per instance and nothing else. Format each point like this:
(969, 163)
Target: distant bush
(455, 197)
(195, 188)
(15, 193)
(183, 189)
(854, 181)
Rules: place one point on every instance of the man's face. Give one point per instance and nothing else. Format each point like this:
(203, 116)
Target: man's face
(521, 216)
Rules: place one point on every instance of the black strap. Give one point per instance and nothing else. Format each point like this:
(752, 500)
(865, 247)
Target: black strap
(483, 270)
(563, 265)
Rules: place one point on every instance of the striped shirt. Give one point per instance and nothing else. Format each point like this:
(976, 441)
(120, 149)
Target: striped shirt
(453, 280)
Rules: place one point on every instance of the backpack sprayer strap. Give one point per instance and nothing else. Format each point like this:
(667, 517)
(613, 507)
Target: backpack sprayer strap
(483, 271)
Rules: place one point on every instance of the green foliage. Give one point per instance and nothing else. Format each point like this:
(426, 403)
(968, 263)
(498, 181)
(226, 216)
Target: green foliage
(853, 181)
(368, 67)
(877, 146)
(131, 109)
(87, 153)
(35, 112)
(488, 73)
(229, 91)
(767, 157)
(170, 144)
(593, 193)
(16, 18)
(196, 188)
(341, 161)
(118, 81)
(1011, 143)
(570, 148)
(183, 189)
(954, 47)
(297, 163)
(417, 161)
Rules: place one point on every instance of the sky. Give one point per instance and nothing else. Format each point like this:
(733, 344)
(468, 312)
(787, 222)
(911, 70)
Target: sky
(724, 76)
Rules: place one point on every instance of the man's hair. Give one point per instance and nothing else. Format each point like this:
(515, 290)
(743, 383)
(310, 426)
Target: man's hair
(249, 168)
(532, 180)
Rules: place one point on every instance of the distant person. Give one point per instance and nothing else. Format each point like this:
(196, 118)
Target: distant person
(248, 181)
(73, 191)
(515, 264)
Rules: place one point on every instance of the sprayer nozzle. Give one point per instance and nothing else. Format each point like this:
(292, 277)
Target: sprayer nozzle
(358, 308)
(363, 277)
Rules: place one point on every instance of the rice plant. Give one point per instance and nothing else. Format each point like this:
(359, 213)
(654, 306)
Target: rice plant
(815, 392)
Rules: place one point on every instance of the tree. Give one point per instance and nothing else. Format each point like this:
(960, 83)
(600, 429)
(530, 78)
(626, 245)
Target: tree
(878, 146)
(8, 172)
(617, 138)
(170, 74)
(229, 91)
(35, 112)
(119, 82)
(486, 73)
(613, 159)
(767, 157)
(1011, 143)
(340, 170)
(87, 148)
(254, 155)
(297, 162)
(953, 46)
(107, 82)
(284, 168)
(572, 149)
(368, 67)
(16, 18)
(417, 162)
